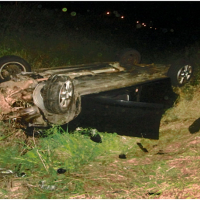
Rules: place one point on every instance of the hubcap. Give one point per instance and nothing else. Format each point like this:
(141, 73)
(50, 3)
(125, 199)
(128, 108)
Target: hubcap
(184, 74)
(66, 94)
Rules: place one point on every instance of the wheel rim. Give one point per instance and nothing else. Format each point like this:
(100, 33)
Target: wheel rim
(184, 74)
(10, 70)
(66, 93)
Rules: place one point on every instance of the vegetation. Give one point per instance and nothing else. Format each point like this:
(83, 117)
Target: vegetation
(60, 164)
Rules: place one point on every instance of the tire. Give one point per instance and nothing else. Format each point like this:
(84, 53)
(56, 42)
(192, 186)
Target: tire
(12, 65)
(128, 57)
(58, 94)
(180, 72)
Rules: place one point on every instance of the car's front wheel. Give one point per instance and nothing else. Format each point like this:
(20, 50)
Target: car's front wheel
(58, 94)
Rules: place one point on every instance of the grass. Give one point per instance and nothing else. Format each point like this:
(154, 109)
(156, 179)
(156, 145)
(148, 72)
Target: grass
(59, 150)
(170, 168)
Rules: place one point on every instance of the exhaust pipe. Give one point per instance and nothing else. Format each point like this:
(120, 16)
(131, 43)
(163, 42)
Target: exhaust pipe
(30, 113)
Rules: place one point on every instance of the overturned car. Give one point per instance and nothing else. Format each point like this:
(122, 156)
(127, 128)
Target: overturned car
(44, 97)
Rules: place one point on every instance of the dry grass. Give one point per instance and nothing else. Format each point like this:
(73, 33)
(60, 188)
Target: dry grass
(186, 110)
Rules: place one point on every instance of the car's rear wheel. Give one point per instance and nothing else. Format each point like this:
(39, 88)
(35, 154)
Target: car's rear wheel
(128, 57)
(12, 65)
(180, 72)
(58, 94)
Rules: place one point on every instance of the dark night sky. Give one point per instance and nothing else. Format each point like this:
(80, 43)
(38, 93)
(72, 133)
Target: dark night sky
(164, 13)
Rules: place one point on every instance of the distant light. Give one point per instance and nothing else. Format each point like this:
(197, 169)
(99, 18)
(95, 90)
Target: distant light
(137, 22)
(150, 27)
(64, 9)
(73, 13)
(122, 17)
(145, 25)
(107, 13)
(155, 28)
(142, 24)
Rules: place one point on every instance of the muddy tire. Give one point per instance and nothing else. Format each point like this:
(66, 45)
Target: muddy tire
(12, 65)
(58, 94)
(128, 57)
(180, 72)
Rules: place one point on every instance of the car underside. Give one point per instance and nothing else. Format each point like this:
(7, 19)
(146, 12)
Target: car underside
(46, 96)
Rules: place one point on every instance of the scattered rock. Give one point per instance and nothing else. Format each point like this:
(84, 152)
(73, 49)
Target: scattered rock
(92, 133)
(122, 156)
(161, 152)
(21, 174)
(61, 171)
(4, 171)
(142, 148)
(96, 138)
(195, 126)
(154, 193)
(43, 185)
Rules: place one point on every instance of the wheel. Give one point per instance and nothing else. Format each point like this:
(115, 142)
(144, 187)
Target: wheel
(128, 57)
(58, 94)
(180, 72)
(12, 65)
